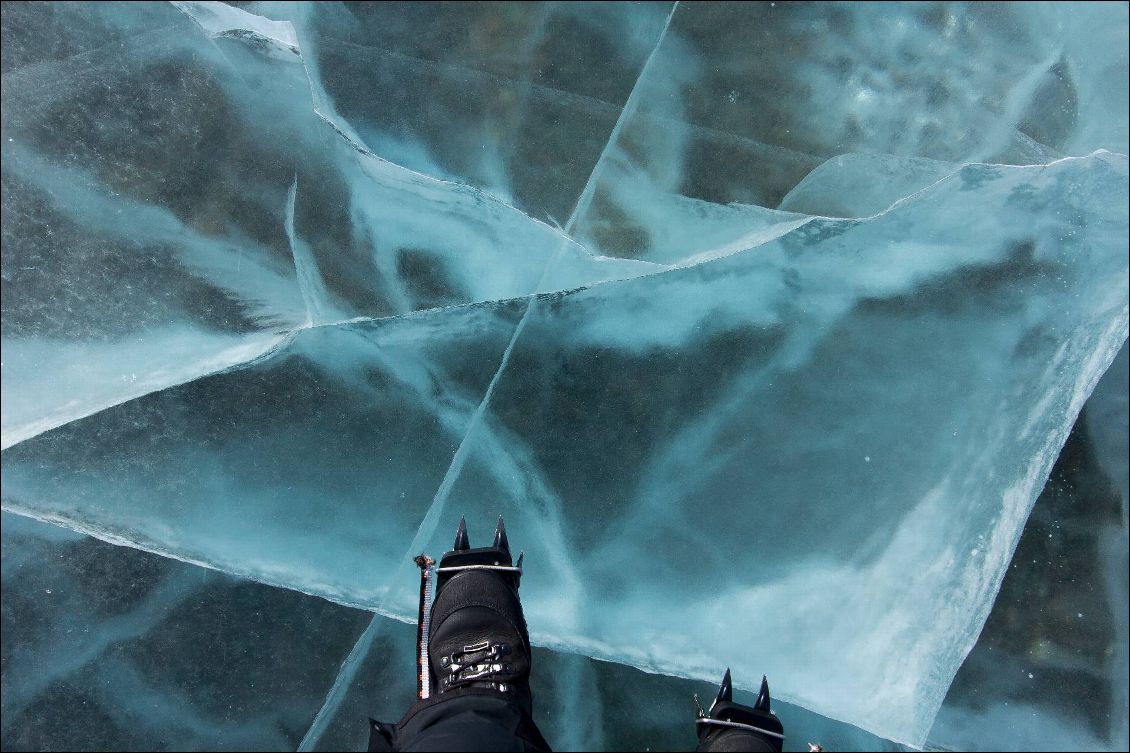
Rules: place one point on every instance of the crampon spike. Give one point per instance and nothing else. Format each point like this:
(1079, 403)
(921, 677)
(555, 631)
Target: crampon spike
(762, 703)
(500, 540)
(462, 543)
(725, 691)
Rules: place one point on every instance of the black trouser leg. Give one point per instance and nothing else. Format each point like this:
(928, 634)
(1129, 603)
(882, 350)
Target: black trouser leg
(463, 720)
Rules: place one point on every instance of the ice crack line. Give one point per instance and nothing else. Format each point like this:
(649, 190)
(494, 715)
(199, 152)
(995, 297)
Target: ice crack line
(428, 525)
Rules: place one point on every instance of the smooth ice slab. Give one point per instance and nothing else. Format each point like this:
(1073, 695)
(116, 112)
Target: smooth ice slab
(743, 100)
(135, 255)
(520, 100)
(175, 203)
(110, 648)
(311, 468)
(822, 450)
(1049, 670)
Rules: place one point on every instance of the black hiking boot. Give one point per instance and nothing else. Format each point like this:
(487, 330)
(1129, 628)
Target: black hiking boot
(477, 695)
(729, 726)
(478, 636)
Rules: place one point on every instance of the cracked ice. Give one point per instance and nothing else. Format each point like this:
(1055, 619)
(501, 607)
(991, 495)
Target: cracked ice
(285, 293)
